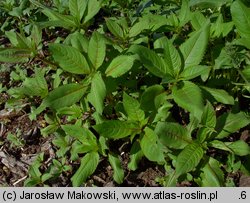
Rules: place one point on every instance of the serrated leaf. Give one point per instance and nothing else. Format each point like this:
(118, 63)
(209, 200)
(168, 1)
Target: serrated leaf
(151, 147)
(241, 18)
(115, 28)
(229, 123)
(171, 55)
(93, 8)
(63, 96)
(154, 63)
(96, 50)
(188, 159)
(132, 108)
(117, 168)
(194, 48)
(136, 155)
(173, 135)
(88, 166)
(194, 71)
(77, 8)
(116, 129)
(188, 96)
(217, 94)
(212, 175)
(97, 93)
(119, 66)
(69, 59)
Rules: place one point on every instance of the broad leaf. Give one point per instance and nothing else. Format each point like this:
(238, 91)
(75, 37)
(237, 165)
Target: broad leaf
(97, 92)
(154, 63)
(241, 18)
(88, 166)
(188, 159)
(63, 96)
(194, 48)
(115, 28)
(229, 123)
(212, 175)
(173, 135)
(171, 55)
(151, 147)
(77, 8)
(208, 118)
(194, 71)
(218, 95)
(188, 96)
(117, 168)
(116, 129)
(132, 108)
(239, 147)
(96, 50)
(77, 40)
(93, 8)
(69, 59)
(119, 66)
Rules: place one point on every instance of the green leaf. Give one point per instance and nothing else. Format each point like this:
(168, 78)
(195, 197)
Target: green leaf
(151, 147)
(77, 8)
(63, 96)
(136, 155)
(116, 129)
(188, 96)
(93, 8)
(117, 168)
(173, 135)
(171, 55)
(212, 175)
(69, 59)
(194, 48)
(88, 166)
(57, 20)
(150, 98)
(229, 123)
(132, 108)
(154, 63)
(96, 50)
(208, 118)
(194, 71)
(97, 92)
(241, 18)
(119, 66)
(217, 94)
(78, 40)
(239, 147)
(85, 136)
(36, 86)
(115, 28)
(14, 55)
(188, 159)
